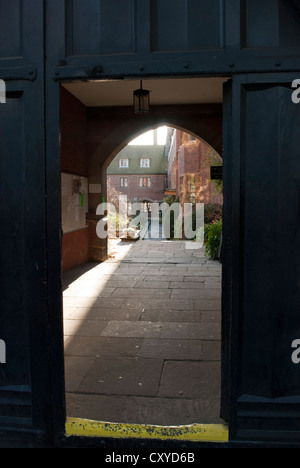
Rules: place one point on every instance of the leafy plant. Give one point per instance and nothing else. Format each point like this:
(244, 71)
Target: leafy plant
(213, 233)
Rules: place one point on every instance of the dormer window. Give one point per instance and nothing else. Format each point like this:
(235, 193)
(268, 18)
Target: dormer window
(144, 162)
(123, 162)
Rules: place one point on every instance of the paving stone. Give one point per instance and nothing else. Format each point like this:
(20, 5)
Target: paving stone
(211, 350)
(133, 272)
(162, 315)
(132, 329)
(163, 277)
(103, 346)
(67, 311)
(200, 279)
(91, 292)
(207, 304)
(75, 369)
(213, 279)
(123, 376)
(168, 304)
(97, 313)
(88, 302)
(152, 284)
(191, 379)
(213, 286)
(202, 272)
(120, 279)
(191, 331)
(69, 302)
(210, 316)
(144, 410)
(171, 349)
(205, 294)
(108, 302)
(149, 260)
(84, 327)
(141, 293)
(186, 284)
(128, 283)
(194, 279)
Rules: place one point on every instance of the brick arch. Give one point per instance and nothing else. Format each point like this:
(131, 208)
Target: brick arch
(215, 143)
(116, 127)
(109, 130)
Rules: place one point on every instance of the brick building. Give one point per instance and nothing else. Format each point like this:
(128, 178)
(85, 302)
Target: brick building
(139, 171)
(189, 162)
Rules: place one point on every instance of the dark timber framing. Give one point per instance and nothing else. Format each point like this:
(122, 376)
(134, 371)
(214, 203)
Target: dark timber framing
(256, 42)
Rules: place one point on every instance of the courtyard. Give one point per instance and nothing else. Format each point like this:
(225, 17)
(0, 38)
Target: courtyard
(143, 335)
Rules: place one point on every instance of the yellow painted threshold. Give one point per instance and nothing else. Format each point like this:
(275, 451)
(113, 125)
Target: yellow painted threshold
(193, 432)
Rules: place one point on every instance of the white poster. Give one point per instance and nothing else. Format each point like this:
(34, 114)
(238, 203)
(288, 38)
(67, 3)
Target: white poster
(74, 202)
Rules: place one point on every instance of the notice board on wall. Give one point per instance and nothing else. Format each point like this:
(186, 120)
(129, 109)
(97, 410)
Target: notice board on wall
(74, 202)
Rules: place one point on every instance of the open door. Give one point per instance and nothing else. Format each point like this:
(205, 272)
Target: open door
(261, 273)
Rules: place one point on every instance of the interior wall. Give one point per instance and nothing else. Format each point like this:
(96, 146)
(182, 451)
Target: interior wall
(75, 244)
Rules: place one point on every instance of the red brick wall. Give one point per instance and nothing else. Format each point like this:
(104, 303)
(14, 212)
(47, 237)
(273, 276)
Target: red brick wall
(75, 248)
(189, 157)
(75, 245)
(194, 159)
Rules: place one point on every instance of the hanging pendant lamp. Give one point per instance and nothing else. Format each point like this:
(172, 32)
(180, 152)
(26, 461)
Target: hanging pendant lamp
(141, 100)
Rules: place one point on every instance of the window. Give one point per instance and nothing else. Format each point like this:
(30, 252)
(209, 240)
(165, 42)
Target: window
(192, 138)
(123, 182)
(191, 183)
(123, 162)
(144, 182)
(144, 162)
(181, 184)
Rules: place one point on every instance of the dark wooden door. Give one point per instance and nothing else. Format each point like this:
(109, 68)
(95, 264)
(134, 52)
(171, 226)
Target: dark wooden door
(261, 285)
(25, 401)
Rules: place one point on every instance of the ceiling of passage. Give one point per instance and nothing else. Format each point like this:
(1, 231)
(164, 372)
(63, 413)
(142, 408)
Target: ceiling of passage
(163, 91)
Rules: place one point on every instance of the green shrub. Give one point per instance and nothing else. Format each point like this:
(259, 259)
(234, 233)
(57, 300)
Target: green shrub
(213, 233)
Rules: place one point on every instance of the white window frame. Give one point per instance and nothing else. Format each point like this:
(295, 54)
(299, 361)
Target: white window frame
(145, 162)
(123, 162)
(148, 182)
(124, 182)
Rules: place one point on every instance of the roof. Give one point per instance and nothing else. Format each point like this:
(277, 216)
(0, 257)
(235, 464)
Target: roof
(156, 154)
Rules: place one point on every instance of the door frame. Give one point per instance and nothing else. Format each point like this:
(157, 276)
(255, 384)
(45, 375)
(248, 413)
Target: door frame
(76, 427)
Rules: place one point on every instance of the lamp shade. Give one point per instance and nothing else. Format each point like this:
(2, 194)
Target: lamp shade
(141, 100)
